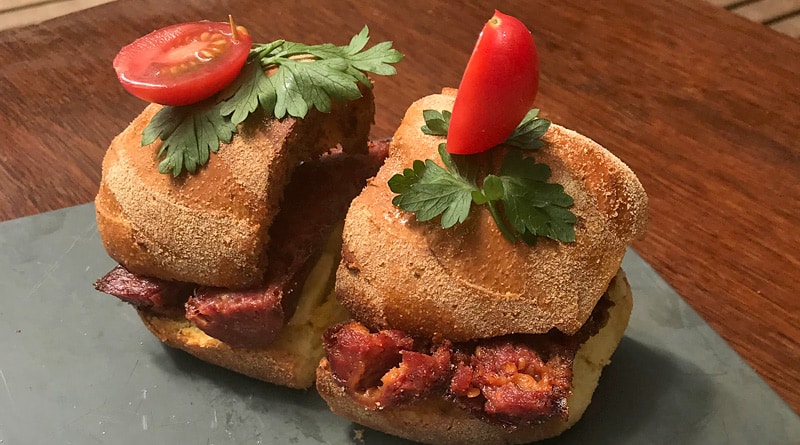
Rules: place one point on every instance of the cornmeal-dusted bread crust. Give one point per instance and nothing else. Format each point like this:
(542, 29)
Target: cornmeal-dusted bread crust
(211, 227)
(281, 366)
(468, 282)
(437, 421)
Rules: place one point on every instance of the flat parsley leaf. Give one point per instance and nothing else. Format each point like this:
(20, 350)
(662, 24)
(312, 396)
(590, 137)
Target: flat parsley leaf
(302, 77)
(310, 76)
(436, 122)
(532, 205)
(251, 90)
(528, 134)
(430, 190)
(523, 204)
(189, 134)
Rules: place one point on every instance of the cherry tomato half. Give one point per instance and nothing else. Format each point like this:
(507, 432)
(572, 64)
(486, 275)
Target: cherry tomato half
(497, 89)
(183, 64)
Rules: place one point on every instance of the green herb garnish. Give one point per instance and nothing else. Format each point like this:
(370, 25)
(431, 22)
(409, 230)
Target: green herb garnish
(436, 122)
(305, 77)
(528, 134)
(521, 201)
(189, 134)
(430, 190)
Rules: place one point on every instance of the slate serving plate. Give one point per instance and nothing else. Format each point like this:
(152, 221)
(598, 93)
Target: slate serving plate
(78, 367)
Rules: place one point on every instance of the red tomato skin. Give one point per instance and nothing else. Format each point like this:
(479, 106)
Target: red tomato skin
(498, 87)
(135, 71)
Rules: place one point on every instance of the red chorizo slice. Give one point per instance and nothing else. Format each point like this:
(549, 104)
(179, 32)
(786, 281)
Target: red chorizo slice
(161, 296)
(251, 318)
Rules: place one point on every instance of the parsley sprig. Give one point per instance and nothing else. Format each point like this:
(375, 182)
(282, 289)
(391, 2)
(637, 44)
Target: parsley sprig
(521, 201)
(304, 77)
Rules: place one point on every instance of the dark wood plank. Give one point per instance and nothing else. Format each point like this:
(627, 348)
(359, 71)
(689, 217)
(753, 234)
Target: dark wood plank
(702, 104)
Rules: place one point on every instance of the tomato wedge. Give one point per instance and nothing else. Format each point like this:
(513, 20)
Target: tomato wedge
(497, 89)
(183, 64)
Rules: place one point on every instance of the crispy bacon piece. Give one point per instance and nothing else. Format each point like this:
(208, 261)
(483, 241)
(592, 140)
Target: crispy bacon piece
(504, 379)
(522, 379)
(161, 296)
(382, 369)
(361, 358)
(512, 380)
(416, 376)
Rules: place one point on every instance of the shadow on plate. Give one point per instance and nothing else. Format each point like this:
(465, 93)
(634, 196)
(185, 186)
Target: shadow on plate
(646, 395)
(270, 403)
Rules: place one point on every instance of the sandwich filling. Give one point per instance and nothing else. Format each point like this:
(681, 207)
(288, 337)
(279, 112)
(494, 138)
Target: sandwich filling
(512, 380)
(314, 204)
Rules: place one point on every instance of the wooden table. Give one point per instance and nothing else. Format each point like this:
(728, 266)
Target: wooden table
(702, 104)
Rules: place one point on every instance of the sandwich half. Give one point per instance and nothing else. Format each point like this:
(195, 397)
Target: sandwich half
(462, 337)
(235, 263)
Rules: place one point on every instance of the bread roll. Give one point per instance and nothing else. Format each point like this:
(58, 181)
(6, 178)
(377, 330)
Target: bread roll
(435, 420)
(211, 227)
(468, 281)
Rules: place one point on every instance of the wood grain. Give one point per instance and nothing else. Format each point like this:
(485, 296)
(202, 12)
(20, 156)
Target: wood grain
(766, 11)
(15, 13)
(700, 103)
(789, 26)
(780, 15)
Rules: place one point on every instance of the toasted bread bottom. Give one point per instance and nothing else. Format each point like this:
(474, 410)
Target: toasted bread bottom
(292, 359)
(438, 421)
